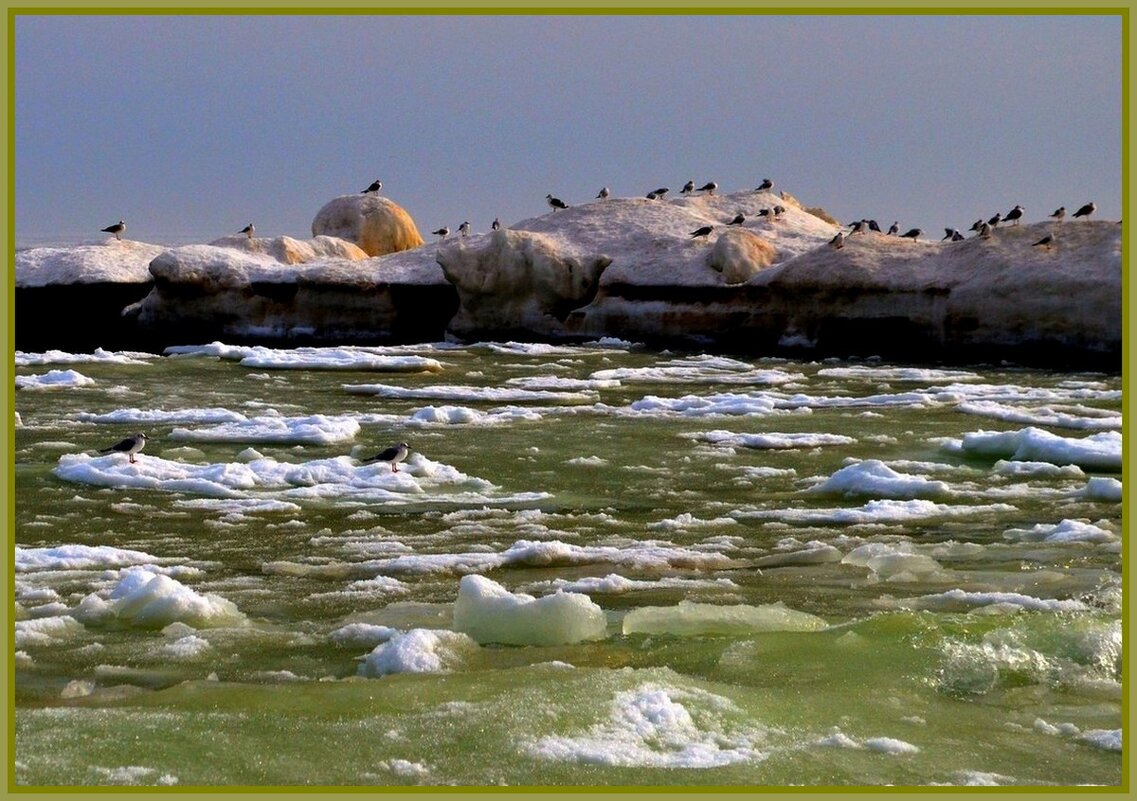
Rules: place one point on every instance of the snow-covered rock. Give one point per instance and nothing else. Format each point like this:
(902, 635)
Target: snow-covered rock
(113, 261)
(739, 254)
(376, 224)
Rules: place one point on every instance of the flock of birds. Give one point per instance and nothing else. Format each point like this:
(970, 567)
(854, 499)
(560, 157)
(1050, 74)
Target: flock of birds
(981, 227)
(135, 443)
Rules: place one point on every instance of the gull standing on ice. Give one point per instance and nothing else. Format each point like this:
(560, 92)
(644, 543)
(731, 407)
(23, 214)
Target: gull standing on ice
(129, 446)
(116, 229)
(393, 455)
(838, 241)
(603, 193)
(709, 187)
(496, 225)
(375, 187)
(1084, 211)
(555, 202)
(703, 232)
(766, 184)
(1014, 215)
(1059, 214)
(248, 230)
(894, 229)
(912, 233)
(1045, 242)
(688, 188)
(443, 232)
(659, 193)
(739, 219)
(464, 228)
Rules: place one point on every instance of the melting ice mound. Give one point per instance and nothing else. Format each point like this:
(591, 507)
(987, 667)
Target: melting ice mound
(1100, 451)
(143, 598)
(692, 619)
(419, 651)
(489, 612)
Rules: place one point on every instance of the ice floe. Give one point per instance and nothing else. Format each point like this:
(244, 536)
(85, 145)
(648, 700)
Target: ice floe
(1098, 451)
(875, 511)
(470, 394)
(614, 583)
(660, 726)
(316, 429)
(54, 379)
(1087, 418)
(346, 357)
(490, 613)
(958, 600)
(79, 557)
(98, 355)
(689, 618)
(419, 651)
(1065, 531)
(144, 598)
(874, 478)
(772, 440)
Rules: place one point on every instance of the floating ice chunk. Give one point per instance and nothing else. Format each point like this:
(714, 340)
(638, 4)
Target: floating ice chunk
(691, 619)
(686, 521)
(464, 415)
(889, 745)
(814, 553)
(1065, 531)
(419, 651)
(706, 369)
(490, 613)
(25, 359)
(894, 563)
(1089, 419)
(1109, 739)
(774, 441)
(1096, 452)
(615, 583)
(873, 477)
(726, 403)
(145, 599)
(1101, 488)
(961, 600)
(79, 557)
(875, 511)
(662, 727)
(368, 634)
(316, 429)
(54, 379)
(1004, 467)
(877, 373)
(46, 630)
(162, 417)
(186, 647)
(448, 392)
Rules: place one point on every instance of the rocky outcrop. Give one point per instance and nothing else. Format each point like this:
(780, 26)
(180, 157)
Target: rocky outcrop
(377, 225)
(518, 282)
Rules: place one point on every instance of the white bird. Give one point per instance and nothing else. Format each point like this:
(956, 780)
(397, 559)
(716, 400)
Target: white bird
(129, 446)
(392, 455)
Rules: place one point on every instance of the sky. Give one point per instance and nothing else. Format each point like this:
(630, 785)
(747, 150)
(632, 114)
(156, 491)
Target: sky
(190, 127)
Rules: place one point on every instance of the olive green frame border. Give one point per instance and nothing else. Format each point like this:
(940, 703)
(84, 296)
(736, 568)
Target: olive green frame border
(526, 7)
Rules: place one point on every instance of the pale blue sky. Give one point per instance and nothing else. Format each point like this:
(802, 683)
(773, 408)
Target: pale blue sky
(189, 127)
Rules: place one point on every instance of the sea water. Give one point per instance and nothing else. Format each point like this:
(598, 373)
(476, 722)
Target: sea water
(599, 565)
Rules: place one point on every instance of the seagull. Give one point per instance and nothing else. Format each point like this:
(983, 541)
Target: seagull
(975, 226)
(709, 187)
(873, 225)
(650, 195)
(116, 229)
(659, 193)
(985, 230)
(1084, 211)
(1059, 214)
(764, 213)
(129, 446)
(464, 228)
(858, 227)
(766, 184)
(912, 233)
(703, 232)
(1046, 241)
(995, 220)
(1013, 215)
(442, 232)
(838, 241)
(496, 224)
(556, 202)
(739, 219)
(950, 233)
(688, 188)
(603, 193)
(393, 455)
(957, 237)
(779, 211)
(375, 187)
(248, 230)
(894, 228)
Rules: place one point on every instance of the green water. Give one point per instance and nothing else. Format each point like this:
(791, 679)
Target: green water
(894, 691)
